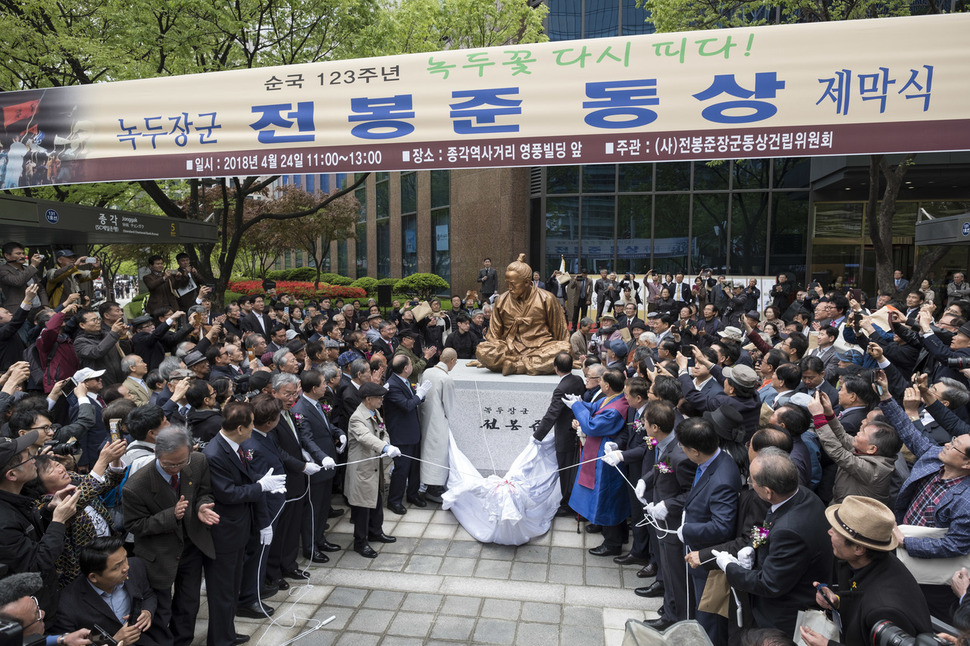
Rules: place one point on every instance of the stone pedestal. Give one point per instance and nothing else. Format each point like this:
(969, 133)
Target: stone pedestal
(497, 414)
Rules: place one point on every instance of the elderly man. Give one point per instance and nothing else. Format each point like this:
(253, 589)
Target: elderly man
(169, 508)
(528, 328)
(873, 585)
(135, 369)
(435, 416)
(365, 479)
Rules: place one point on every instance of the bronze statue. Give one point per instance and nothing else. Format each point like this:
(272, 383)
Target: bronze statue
(528, 327)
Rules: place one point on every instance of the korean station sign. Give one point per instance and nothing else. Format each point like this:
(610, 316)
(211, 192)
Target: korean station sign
(853, 87)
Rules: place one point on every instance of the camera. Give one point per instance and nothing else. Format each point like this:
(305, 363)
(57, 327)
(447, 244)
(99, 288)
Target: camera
(63, 448)
(886, 633)
(958, 362)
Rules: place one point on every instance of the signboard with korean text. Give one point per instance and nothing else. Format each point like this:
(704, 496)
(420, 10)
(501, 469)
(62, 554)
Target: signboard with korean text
(852, 87)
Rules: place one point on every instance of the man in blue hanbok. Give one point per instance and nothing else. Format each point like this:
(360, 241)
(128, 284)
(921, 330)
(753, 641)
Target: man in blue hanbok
(597, 494)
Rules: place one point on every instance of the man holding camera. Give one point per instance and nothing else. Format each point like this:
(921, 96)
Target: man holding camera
(65, 278)
(17, 274)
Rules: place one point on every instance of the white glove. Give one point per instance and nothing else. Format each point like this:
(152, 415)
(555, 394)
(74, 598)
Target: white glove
(613, 458)
(660, 510)
(724, 559)
(680, 534)
(311, 468)
(641, 490)
(328, 463)
(610, 446)
(273, 484)
(392, 451)
(569, 400)
(266, 535)
(746, 557)
(343, 444)
(648, 508)
(423, 388)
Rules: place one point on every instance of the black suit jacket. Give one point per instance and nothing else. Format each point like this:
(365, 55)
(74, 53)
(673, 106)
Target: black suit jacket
(380, 345)
(325, 435)
(240, 502)
(401, 412)
(558, 415)
(250, 323)
(798, 552)
(81, 607)
(291, 452)
(149, 507)
(670, 488)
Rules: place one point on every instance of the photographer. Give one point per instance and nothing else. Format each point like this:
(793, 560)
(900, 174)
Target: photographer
(19, 604)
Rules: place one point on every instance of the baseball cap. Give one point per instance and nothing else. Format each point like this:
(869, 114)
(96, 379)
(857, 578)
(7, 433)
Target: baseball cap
(619, 347)
(64, 253)
(84, 374)
(10, 448)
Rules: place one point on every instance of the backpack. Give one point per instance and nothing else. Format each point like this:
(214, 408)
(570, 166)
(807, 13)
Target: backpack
(37, 368)
(112, 498)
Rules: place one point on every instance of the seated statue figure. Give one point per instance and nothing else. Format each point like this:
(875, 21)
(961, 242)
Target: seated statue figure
(528, 327)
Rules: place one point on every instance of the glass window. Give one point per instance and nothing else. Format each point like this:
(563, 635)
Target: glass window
(598, 231)
(440, 188)
(298, 259)
(673, 176)
(361, 249)
(409, 192)
(835, 220)
(602, 18)
(409, 244)
(562, 232)
(833, 261)
(792, 172)
(562, 179)
(310, 184)
(341, 180)
(709, 245)
(749, 224)
(441, 243)
(635, 19)
(635, 177)
(325, 183)
(382, 200)
(599, 179)
(752, 174)
(670, 241)
(904, 220)
(788, 246)
(287, 261)
(712, 177)
(384, 248)
(633, 233)
(342, 257)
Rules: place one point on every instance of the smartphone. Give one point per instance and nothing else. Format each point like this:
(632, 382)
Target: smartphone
(113, 430)
(135, 611)
(211, 286)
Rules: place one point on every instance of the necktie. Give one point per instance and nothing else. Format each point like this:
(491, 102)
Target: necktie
(242, 458)
(697, 476)
(174, 481)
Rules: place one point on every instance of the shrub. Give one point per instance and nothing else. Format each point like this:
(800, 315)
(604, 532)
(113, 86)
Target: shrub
(388, 281)
(423, 286)
(304, 274)
(366, 283)
(334, 279)
(299, 289)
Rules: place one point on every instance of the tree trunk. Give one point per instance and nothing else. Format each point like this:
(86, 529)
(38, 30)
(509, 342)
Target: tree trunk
(879, 214)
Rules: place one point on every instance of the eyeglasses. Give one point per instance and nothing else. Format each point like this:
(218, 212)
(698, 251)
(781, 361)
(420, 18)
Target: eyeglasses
(951, 445)
(49, 428)
(20, 464)
(173, 465)
(38, 616)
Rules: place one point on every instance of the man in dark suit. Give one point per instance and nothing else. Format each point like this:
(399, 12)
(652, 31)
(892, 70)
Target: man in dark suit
(331, 441)
(385, 344)
(489, 280)
(401, 414)
(813, 379)
(301, 459)
(560, 417)
(113, 592)
(169, 508)
(900, 283)
(855, 398)
(258, 320)
(710, 511)
(665, 489)
(240, 504)
(347, 393)
(795, 552)
(629, 318)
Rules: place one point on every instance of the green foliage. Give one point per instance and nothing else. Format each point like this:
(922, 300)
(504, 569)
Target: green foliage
(388, 281)
(423, 286)
(135, 307)
(335, 279)
(366, 283)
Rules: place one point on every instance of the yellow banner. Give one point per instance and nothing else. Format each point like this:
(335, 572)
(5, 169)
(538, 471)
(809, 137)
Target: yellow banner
(853, 87)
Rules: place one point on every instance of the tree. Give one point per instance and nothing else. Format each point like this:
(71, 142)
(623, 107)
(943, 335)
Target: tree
(314, 233)
(885, 181)
(423, 286)
(47, 43)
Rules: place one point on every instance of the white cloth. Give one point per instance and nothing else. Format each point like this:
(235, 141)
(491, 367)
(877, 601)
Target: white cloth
(509, 510)
(434, 414)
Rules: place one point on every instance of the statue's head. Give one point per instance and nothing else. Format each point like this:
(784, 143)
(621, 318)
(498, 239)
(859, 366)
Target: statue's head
(518, 277)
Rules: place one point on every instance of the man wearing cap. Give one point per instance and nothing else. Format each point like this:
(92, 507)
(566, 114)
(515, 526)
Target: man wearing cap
(793, 554)
(148, 340)
(16, 274)
(25, 544)
(739, 389)
(616, 352)
(874, 586)
(367, 470)
(18, 602)
(92, 440)
(63, 280)
(406, 348)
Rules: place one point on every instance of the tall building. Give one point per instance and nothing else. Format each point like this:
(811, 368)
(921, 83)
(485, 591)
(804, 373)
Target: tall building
(806, 215)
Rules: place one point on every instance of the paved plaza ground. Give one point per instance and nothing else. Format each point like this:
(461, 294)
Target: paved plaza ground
(438, 585)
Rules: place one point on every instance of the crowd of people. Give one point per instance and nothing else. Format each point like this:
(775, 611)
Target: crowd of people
(814, 454)
(137, 458)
